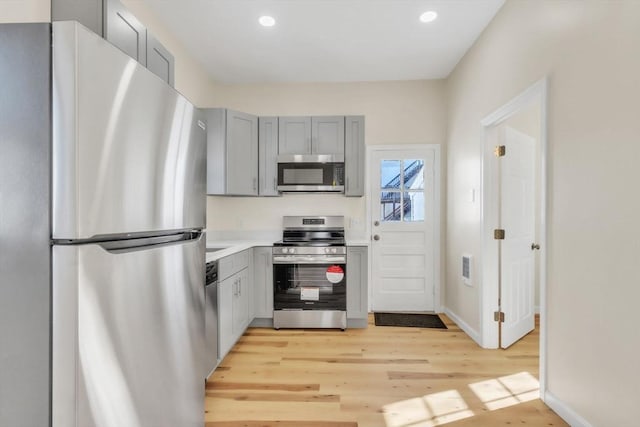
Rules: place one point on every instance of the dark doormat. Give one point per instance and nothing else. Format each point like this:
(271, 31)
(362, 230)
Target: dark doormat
(412, 320)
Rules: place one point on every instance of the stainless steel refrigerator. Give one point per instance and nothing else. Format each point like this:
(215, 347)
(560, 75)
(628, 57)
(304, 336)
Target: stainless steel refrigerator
(102, 206)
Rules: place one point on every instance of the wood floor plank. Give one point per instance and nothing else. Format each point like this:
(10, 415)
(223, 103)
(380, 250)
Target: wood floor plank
(375, 377)
(280, 424)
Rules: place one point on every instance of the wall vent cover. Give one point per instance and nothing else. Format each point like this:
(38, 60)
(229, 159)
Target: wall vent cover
(466, 269)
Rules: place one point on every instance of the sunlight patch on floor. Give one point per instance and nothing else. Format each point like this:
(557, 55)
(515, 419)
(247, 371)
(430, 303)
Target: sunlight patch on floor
(507, 391)
(447, 406)
(427, 411)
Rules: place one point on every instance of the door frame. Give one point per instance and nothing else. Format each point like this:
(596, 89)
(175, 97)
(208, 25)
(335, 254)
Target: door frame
(490, 202)
(437, 243)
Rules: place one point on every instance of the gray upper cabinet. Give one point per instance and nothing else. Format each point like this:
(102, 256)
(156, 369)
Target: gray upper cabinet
(294, 135)
(232, 153)
(267, 156)
(354, 156)
(327, 135)
(159, 60)
(111, 20)
(124, 31)
(311, 135)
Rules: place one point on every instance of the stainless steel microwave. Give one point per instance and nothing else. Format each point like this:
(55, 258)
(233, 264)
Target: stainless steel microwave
(311, 173)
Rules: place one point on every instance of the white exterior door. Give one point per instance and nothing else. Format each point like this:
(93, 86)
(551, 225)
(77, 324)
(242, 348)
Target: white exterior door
(517, 211)
(404, 228)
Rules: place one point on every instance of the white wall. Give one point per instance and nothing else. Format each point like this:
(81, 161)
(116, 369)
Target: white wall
(408, 112)
(589, 50)
(191, 80)
(25, 11)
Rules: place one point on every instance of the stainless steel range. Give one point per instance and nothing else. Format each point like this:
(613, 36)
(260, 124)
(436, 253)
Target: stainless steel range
(309, 273)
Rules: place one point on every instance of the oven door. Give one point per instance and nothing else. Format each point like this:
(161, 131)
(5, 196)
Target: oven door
(310, 283)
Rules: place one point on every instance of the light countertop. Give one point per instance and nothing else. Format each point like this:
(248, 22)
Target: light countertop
(229, 247)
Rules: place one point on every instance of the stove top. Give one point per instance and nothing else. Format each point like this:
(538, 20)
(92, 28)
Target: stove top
(312, 231)
(316, 243)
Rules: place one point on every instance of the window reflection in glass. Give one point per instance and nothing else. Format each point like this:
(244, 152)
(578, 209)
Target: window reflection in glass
(390, 174)
(413, 174)
(390, 206)
(413, 206)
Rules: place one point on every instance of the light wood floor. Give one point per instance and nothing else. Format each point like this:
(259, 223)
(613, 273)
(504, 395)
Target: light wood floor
(380, 376)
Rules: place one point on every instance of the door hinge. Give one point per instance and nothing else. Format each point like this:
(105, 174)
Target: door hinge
(498, 234)
(498, 316)
(500, 151)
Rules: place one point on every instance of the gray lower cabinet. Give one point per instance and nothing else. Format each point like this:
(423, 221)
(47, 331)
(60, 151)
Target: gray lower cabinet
(226, 289)
(268, 156)
(262, 287)
(113, 21)
(354, 154)
(232, 153)
(234, 299)
(311, 135)
(357, 286)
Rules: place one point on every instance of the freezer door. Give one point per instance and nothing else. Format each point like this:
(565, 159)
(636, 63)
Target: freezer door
(128, 150)
(128, 335)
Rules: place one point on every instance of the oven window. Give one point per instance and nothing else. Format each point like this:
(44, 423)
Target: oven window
(309, 286)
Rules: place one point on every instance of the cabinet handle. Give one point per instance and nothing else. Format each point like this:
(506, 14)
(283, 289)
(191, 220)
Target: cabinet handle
(254, 183)
(346, 185)
(275, 184)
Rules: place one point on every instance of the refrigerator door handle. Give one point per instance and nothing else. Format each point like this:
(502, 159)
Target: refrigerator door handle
(131, 245)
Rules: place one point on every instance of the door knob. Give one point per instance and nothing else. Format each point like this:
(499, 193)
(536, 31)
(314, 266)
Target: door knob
(535, 246)
(376, 237)
(376, 223)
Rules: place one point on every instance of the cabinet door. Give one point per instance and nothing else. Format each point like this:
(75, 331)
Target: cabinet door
(268, 156)
(87, 12)
(357, 278)
(262, 283)
(294, 135)
(242, 153)
(241, 300)
(225, 316)
(124, 31)
(354, 156)
(159, 60)
(327, 135)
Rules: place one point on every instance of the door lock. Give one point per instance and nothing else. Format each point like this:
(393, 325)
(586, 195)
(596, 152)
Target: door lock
(535, 246)
(376, 237)
(376, 223)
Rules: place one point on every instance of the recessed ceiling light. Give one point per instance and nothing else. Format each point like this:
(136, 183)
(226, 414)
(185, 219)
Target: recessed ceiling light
(267, 21)
(428, 16)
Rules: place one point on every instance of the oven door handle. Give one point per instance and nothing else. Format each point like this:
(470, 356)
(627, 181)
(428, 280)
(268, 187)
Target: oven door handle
(309, 259)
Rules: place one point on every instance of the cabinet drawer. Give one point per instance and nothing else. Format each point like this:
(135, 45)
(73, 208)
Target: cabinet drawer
(232, 264)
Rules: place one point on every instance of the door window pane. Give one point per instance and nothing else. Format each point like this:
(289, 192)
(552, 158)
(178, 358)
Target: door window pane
(390, 174)
(413, 206)
(413, 174)
(402, 190)
(390, 206)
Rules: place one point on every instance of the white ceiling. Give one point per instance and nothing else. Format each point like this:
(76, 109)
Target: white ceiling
(326, 40)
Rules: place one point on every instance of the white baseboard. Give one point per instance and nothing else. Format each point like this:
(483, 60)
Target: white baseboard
(464, 326)
(564, 411)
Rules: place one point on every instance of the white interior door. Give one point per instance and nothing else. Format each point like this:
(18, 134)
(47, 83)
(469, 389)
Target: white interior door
(404, 210)
(517, 211)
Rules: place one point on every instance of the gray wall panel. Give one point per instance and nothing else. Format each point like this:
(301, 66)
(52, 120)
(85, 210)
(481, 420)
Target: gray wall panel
(25, 140)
